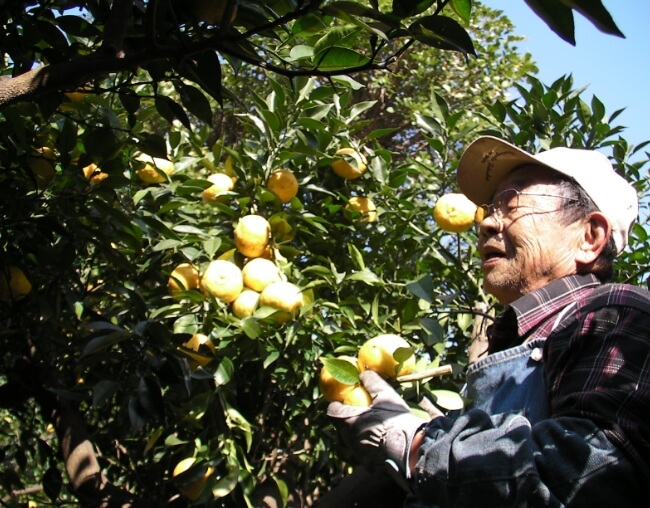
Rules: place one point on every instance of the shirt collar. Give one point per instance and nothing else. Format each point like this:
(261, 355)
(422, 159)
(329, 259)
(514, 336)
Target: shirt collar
(530, 311)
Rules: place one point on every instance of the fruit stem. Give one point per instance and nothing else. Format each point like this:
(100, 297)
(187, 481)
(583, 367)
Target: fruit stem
(434, 372)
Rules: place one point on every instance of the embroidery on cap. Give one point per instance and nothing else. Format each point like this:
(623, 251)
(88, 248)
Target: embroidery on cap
(489, 159)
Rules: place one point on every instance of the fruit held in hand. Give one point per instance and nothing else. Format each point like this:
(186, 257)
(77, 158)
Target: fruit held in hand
(378, 354)
(357, 396)
(333, 389)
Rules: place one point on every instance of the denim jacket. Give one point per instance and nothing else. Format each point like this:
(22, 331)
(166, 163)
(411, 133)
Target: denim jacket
(516, 446)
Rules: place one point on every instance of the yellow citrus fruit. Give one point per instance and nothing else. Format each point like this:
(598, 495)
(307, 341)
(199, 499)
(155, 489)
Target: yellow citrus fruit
(259, 273)
(211, 11)
(192, 489)
(282, 296)
(283, 184)
(41, 162)
(252, 235)
(352, 165)
(365, 206)
(194, 343)
(377, 354)
(223, 280)
(74, 100)
(185, 276)
(221, 183)
(154, 169)
(94, 174)
(357, 396)
(246, 303)
(14, 284)
(454, 212)
(331, 388)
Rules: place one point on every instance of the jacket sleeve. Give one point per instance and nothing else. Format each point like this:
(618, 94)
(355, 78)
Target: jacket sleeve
(476, 460)
(592, 451)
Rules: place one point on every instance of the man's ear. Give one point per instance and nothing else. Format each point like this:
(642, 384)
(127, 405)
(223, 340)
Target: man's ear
(595, 235)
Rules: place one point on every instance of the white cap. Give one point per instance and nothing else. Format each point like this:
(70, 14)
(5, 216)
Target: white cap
(488, 160)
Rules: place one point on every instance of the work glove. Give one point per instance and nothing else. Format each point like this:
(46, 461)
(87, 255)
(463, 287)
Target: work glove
(381, 434)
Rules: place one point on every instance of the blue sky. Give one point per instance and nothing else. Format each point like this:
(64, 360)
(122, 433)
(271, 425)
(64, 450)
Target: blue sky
(615, 70)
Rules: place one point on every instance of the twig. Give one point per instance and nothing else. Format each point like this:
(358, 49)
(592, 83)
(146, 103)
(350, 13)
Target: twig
(434, 372)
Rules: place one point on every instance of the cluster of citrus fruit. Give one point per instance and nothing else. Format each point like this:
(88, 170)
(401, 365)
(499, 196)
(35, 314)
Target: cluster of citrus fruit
(389, 355)
(256, 282)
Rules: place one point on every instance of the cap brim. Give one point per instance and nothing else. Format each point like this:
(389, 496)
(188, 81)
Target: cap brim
(485, 162)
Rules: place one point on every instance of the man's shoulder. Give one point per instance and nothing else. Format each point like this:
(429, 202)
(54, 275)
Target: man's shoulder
(617, 295)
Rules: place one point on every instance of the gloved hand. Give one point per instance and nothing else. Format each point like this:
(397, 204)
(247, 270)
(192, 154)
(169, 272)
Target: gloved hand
(380, 433)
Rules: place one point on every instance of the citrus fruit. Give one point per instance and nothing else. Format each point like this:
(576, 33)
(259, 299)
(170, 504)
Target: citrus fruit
(154, 169)
(41, 162)
(259, 273)
(365, 206)
(193, 488)
(282, 296)
(223, 280)
(94, 174)
(245, 304)
(14, 284)
(352, 165)
(221, 183)
(194, 343)
(283, 184)
(252, 235)
(454, 212)
(357, 396)
(185, 276)
(331, 388)
(377, 354)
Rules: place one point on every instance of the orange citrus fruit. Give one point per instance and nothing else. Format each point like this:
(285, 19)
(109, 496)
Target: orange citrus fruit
(259, 273)
(154, 169)
(283, 184)
(245, 304)
(221, 183)
(14, 284)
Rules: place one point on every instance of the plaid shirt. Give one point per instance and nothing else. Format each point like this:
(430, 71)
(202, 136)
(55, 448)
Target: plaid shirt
(594, 450)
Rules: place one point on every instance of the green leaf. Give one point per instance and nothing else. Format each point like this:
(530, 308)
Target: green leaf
(448, 399)
(595, 11)
(344, 371)
(443, 33)
(463, 9)
(337, 58)
(557, 16)
(422, 288)
(171, 111)
(407, 8)
(195, 102)
(357, 257)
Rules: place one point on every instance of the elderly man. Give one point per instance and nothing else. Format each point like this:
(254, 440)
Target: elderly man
(559, 406)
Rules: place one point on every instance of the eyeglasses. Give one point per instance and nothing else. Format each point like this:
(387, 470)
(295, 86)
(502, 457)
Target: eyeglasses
(506, 202)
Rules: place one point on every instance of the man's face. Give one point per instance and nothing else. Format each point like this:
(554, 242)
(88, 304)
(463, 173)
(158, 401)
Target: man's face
(525, 245)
